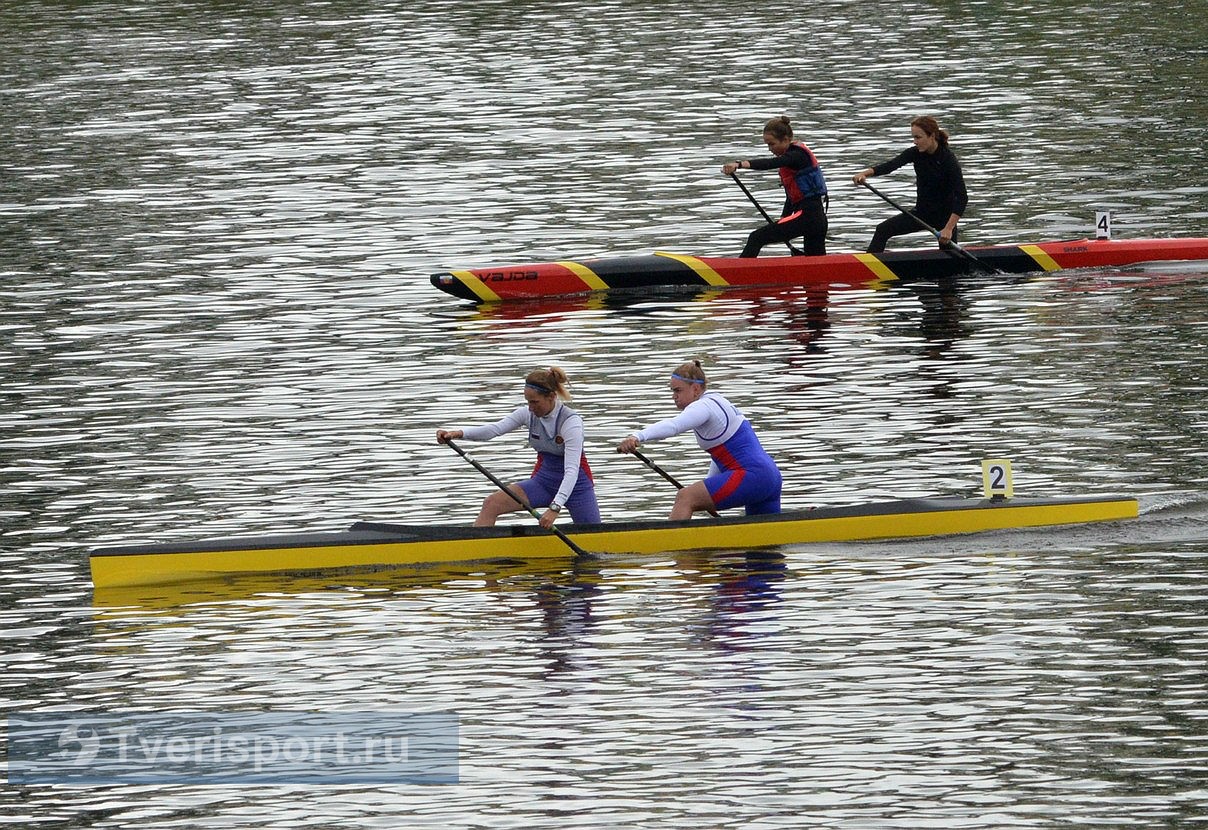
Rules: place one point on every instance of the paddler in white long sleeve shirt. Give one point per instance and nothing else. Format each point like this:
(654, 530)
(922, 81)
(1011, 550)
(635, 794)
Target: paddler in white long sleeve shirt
(742, 474)
(561, 479)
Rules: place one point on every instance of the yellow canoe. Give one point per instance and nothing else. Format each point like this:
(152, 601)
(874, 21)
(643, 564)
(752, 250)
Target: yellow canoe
(373, 545)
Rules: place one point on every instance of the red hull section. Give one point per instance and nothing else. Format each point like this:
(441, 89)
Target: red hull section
(663, 270)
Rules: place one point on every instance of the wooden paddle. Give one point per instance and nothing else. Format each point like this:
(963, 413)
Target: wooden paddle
(557, 532)
(949, 246)
(796, 251)
(665, 475)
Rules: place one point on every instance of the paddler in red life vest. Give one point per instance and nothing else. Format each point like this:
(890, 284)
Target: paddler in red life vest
(741, 473)
(562, 477)
(805, 196)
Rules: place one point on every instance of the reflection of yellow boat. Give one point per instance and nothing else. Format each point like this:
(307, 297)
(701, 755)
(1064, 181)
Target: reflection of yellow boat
(372, 545)
(266, 589)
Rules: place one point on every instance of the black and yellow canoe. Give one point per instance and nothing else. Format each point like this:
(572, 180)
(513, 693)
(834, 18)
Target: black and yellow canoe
(854, 270)
(376, 545)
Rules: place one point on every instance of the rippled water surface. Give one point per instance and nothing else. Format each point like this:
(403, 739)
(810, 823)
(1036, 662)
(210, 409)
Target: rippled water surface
(217, 227)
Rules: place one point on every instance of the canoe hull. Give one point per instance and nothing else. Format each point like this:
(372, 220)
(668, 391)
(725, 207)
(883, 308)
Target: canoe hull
(380, 545)
(665, 270)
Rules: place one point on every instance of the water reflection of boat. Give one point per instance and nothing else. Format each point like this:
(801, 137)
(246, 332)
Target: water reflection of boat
(268, 589)
(1145, 276)
(376, 545)
(661, 271)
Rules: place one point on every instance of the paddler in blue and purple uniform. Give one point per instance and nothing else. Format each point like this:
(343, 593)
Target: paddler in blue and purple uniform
(741, 474)
(561, 478)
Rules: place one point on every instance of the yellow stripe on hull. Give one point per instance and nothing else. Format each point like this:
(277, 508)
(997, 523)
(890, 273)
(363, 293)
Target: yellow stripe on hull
(702, 270)
(155, 568)
(1042, 259)
(477, 286)
(852, 528)
(147, 566)
(879, 268)
(589, 277)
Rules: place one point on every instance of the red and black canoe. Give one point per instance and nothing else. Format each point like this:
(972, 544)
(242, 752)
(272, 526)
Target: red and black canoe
(665, 270)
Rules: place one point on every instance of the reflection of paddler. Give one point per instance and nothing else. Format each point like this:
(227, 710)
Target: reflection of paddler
(943, 308)
(741, 474)
(746, 588)
(561, 477)
(755, 582)
(566, 607)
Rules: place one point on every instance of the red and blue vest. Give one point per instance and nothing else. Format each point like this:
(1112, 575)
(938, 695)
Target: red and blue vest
(806, 182)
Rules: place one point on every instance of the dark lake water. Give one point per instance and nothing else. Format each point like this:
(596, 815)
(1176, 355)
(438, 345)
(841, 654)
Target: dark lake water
(217, 227)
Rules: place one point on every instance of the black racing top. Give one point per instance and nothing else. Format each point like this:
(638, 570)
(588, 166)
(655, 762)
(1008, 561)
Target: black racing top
(939, 185)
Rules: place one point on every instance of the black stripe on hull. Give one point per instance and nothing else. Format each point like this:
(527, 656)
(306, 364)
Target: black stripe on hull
(645, 272)
(932, 264)
(450, 284)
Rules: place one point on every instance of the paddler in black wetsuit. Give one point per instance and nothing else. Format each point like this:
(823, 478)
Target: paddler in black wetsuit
(940, 199)
(804, 212)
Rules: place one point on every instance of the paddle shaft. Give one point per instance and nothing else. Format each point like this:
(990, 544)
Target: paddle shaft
(658, 469)
(755, 202)
(664, 474)
(950, 244)
(569, 542)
